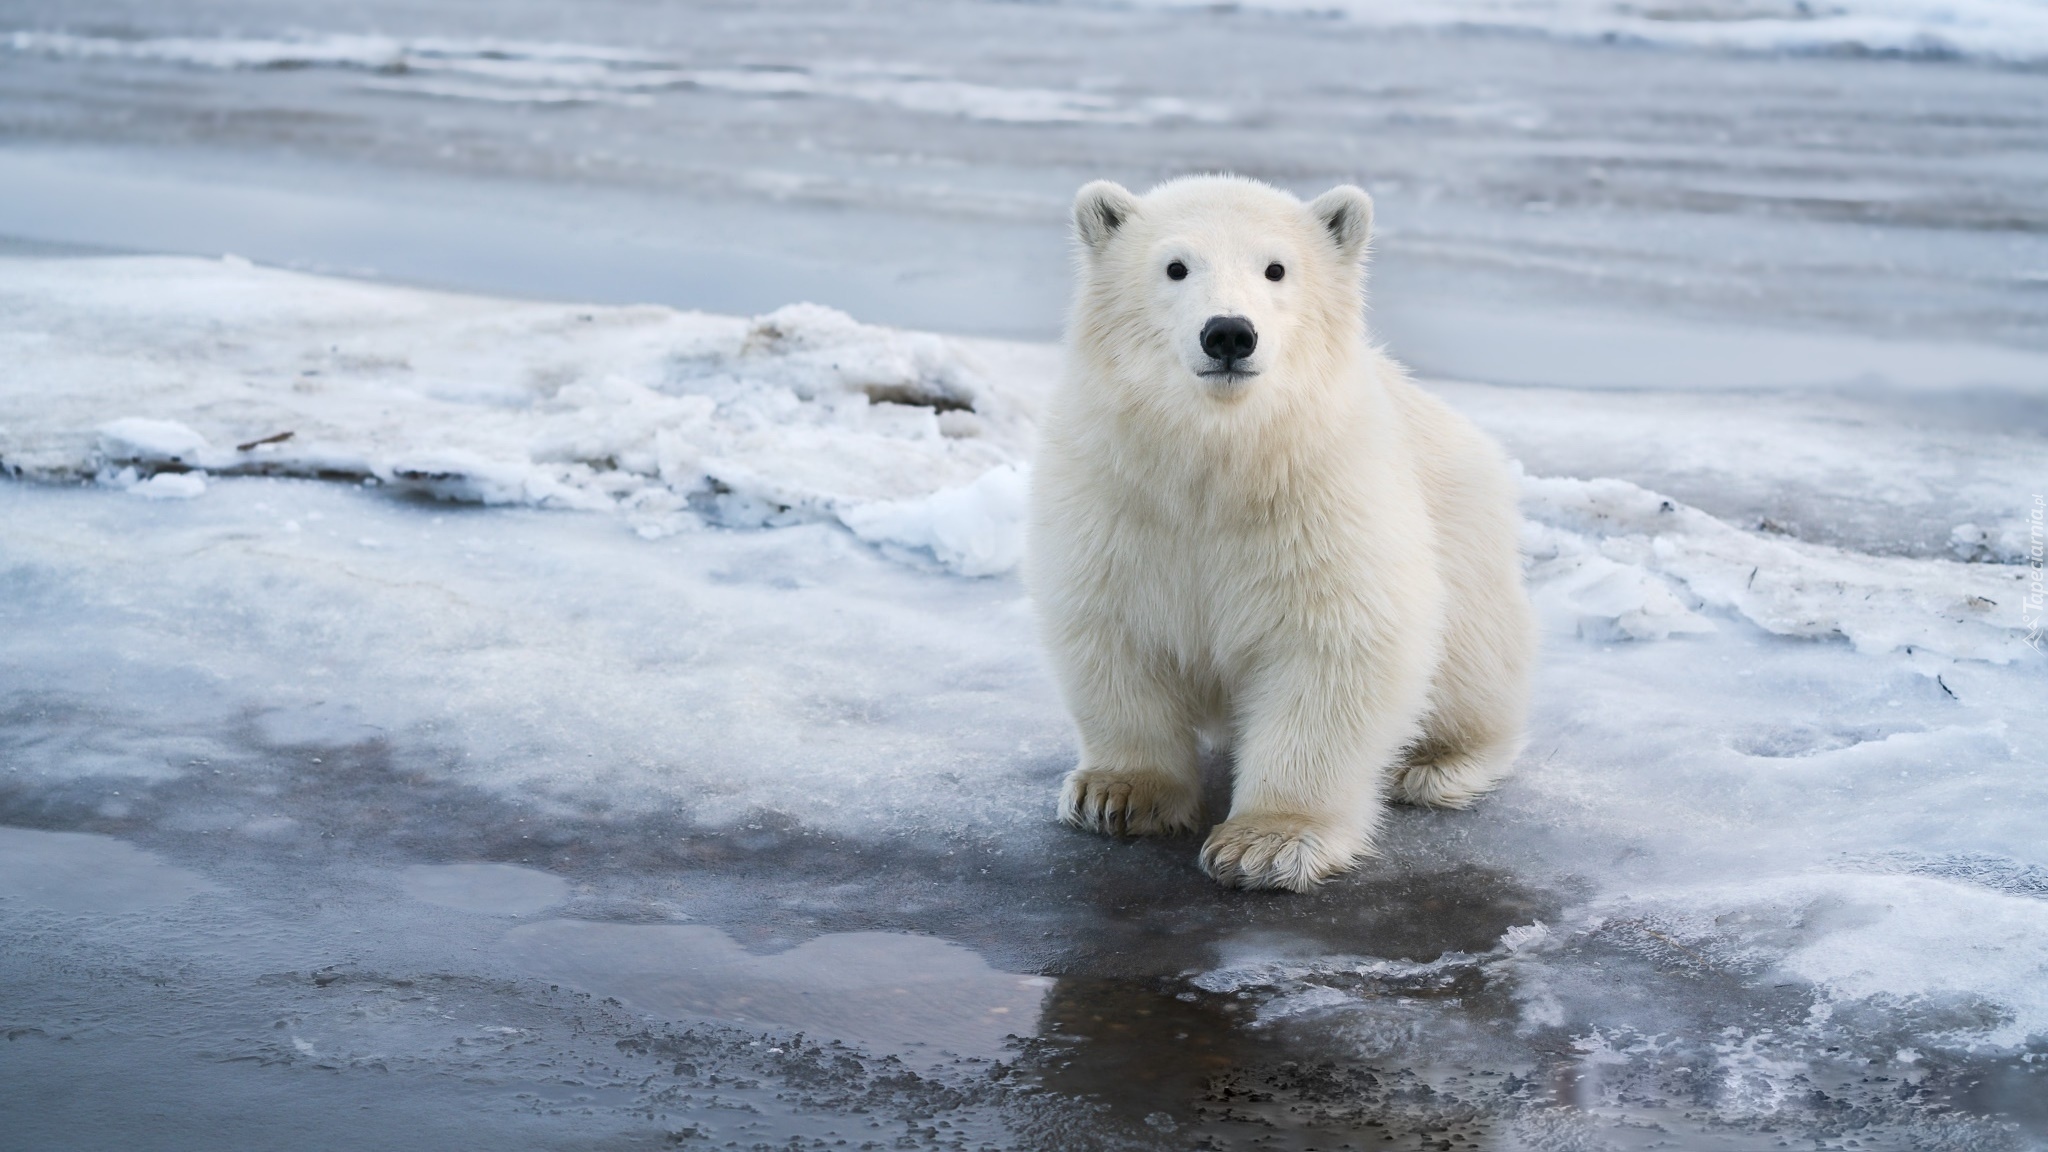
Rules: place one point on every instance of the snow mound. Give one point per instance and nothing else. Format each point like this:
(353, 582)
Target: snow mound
(667, 418)
(1627, 563)
(167, 485)
(975, 531)
(1969, 965)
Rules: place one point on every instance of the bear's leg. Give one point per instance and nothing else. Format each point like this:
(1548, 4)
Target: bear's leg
(1139, 773)
(1478, 701)
(1306, 800)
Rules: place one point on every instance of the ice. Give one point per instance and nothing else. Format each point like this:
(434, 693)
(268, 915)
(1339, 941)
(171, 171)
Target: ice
(977, 530)
(165, 441)
(163, 485)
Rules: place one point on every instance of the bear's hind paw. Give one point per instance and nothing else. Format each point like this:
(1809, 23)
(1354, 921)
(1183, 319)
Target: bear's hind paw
(1452, 781)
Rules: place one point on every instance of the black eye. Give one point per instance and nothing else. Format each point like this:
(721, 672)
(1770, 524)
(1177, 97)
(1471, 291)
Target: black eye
(1176, 271)
(1275, 271)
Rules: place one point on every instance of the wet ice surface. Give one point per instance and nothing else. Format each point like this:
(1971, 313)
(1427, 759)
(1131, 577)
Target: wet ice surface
(630, 763)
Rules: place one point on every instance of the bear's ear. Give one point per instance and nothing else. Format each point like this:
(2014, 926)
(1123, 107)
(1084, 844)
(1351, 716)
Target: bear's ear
(1345, 212)
(1100, 208)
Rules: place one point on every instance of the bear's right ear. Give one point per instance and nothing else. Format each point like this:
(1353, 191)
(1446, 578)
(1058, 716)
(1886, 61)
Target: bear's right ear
(1100, 208)
(1345, 212)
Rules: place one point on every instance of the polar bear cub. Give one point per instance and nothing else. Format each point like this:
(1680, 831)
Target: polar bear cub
(1248, 523)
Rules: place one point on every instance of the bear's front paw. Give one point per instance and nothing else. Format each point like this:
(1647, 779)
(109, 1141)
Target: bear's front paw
(1130, 802)
(1275, 851)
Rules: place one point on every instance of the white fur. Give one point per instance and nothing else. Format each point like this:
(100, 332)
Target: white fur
(1317, 561)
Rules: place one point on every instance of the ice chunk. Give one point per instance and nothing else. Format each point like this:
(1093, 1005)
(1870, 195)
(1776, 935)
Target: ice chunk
(1604, 599)
(138, 438)
(977, 530)
(1963, 963)
(170, 486)
(2012, 541)
(1878, 603)
(910, 995)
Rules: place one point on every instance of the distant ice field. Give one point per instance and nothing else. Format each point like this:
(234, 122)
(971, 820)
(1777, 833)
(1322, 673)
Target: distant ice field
(2006, 31)
(912, 164)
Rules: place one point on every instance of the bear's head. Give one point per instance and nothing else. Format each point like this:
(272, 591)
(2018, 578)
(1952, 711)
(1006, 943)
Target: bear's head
(1214, 287)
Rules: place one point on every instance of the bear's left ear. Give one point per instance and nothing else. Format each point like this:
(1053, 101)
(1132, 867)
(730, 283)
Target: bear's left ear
(1346, 213)
(1100, 208)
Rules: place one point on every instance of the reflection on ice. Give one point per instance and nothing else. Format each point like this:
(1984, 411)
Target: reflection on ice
(889, 992)
(491, 889)
(75, 872)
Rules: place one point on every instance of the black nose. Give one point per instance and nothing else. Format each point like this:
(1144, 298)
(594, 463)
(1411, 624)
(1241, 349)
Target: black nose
(1229, 338)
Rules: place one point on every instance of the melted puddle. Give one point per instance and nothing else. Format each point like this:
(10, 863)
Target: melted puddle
(85, 872)
(487, 889)
(912, 996)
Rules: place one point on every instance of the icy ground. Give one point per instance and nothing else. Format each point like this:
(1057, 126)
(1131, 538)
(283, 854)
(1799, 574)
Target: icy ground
(435, 720)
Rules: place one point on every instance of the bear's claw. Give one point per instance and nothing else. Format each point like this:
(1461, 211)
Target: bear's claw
(1126, 802)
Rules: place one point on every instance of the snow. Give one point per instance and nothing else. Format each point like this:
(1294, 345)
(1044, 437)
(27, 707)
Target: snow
(163, 485)
(667, 419)
(977, 530)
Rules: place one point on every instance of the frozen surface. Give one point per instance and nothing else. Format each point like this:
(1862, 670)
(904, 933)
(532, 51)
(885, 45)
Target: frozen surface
(617, 723)
(728, 778)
